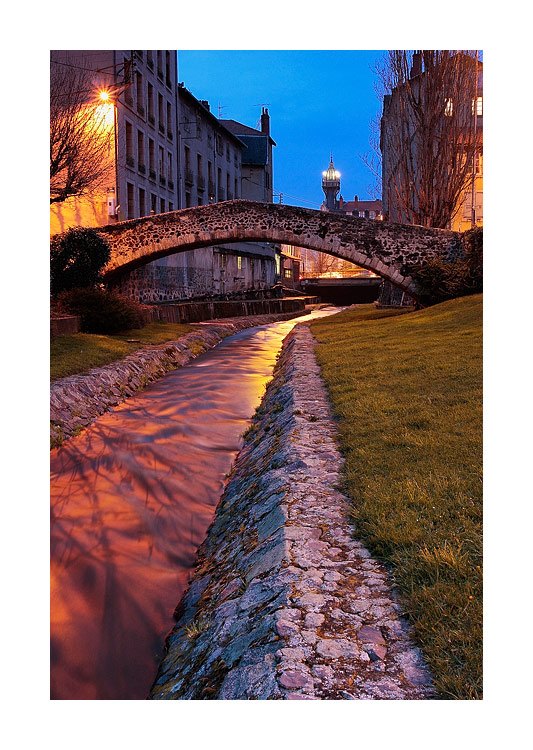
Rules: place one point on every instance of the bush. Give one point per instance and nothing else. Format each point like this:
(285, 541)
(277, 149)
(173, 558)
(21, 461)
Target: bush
(101, 311)
(439, 280)
(77, 258)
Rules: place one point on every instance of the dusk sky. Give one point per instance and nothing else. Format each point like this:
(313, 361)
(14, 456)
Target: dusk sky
(319, 102)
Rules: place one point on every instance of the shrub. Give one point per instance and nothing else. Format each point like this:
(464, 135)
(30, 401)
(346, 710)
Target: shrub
(439, 280)
(101, 311)
(77, 257)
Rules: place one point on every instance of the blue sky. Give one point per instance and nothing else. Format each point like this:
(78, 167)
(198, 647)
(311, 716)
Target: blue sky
(319, 101)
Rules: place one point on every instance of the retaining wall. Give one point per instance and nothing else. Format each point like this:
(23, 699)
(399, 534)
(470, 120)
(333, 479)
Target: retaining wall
(284, 603)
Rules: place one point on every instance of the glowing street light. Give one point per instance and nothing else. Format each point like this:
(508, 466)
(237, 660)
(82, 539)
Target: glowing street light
(103, 96)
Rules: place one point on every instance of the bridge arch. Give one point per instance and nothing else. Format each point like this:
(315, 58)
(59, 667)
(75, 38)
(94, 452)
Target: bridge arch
(382, 247)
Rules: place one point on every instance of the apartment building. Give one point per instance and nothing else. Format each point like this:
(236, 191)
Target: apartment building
(460, 119)
(141, 91)
(211, 159)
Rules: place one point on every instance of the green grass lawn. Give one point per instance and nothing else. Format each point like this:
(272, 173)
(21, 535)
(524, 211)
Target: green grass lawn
(80, 352)
(407, 392)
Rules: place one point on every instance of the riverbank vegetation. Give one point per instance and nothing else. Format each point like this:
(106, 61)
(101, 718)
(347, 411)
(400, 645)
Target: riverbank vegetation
(79, 352)
(407, 391)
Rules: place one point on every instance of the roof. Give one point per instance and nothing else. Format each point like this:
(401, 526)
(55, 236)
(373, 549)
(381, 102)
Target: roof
(209, 116)
(239, 129)
(350, 206)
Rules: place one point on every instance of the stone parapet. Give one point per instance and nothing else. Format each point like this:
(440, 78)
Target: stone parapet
(78, 400)
(284, 604)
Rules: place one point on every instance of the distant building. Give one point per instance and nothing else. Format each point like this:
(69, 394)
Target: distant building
(364, 209)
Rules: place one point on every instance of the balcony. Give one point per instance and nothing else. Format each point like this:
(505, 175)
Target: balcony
(161, 128)
(170, 134)
(140, 109)
(141, 168)
(151, 174)
(128, 98)
(150, 62)
(130, 161)
(160, 74)
(170, 184)
(211, 188)
(151, 120)
(162, 180)
(168, 82)
(189, 177)
(200, 182)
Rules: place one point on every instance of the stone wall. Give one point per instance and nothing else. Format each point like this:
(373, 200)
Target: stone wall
(78, 400)
(284, 603)
(382, 247)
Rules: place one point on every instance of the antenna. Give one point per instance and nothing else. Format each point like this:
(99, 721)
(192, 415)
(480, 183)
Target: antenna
(220, 108)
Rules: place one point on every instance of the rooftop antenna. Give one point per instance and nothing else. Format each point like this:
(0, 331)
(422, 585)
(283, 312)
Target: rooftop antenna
(220, 108)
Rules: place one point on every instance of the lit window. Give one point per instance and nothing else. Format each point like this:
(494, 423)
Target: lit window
(239, 262)
(288, 273)
(478, 103)
(448, 107)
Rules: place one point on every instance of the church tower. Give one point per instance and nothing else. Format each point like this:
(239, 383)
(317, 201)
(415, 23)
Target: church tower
(331, 184)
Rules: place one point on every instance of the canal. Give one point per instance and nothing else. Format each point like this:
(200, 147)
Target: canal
(131, 500)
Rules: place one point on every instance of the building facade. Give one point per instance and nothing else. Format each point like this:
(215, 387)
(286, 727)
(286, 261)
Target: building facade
(142, 93)
(168, 151)
(467, 115)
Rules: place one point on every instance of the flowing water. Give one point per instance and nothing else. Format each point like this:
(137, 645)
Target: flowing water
(131, 500)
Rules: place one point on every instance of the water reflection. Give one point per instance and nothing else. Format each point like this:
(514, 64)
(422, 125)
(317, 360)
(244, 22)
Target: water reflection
(131, 500)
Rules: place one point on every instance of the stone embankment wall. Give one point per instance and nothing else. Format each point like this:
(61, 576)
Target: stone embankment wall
(78, 400)
(284, 603)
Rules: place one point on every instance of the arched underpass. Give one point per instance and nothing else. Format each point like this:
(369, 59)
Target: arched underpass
(385, 248)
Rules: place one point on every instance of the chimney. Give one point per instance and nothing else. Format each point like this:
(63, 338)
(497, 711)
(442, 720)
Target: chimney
(205, 104)
(416, 70)
(356, 199)
(265, 121)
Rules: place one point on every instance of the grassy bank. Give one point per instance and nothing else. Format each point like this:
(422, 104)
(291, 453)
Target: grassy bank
(406, 389)
(80, 352)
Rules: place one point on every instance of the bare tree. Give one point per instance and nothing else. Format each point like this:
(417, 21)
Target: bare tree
(81, 129)
(429, 139)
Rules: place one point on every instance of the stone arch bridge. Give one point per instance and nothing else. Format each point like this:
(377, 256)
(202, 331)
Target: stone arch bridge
(385, 248)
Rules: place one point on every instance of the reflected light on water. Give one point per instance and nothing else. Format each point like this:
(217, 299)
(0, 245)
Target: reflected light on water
(131, 500)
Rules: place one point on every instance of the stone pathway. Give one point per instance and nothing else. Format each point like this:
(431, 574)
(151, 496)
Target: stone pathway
(284, 604)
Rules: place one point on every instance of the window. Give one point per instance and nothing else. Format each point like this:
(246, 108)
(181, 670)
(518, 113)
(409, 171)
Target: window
(142, 202)
(169, 119)
(129, 144)
(140, 151)
(162, 205)
(161, 161)
(188, 200)
(160, 64)
(153, 203)
(131, 201)
(140, 93)
(288, 273)
(167, 68)
(479, 163)
(239, 263)
(222, 260)
(170, 206)
(151, 157)
(161, 113)
(477, 103)
(228, 154)
(448, 107)
(235, 193)
(169, 170)
(151, 116)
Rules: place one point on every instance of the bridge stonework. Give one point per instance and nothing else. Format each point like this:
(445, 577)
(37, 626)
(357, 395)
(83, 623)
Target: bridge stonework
(385, 248)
